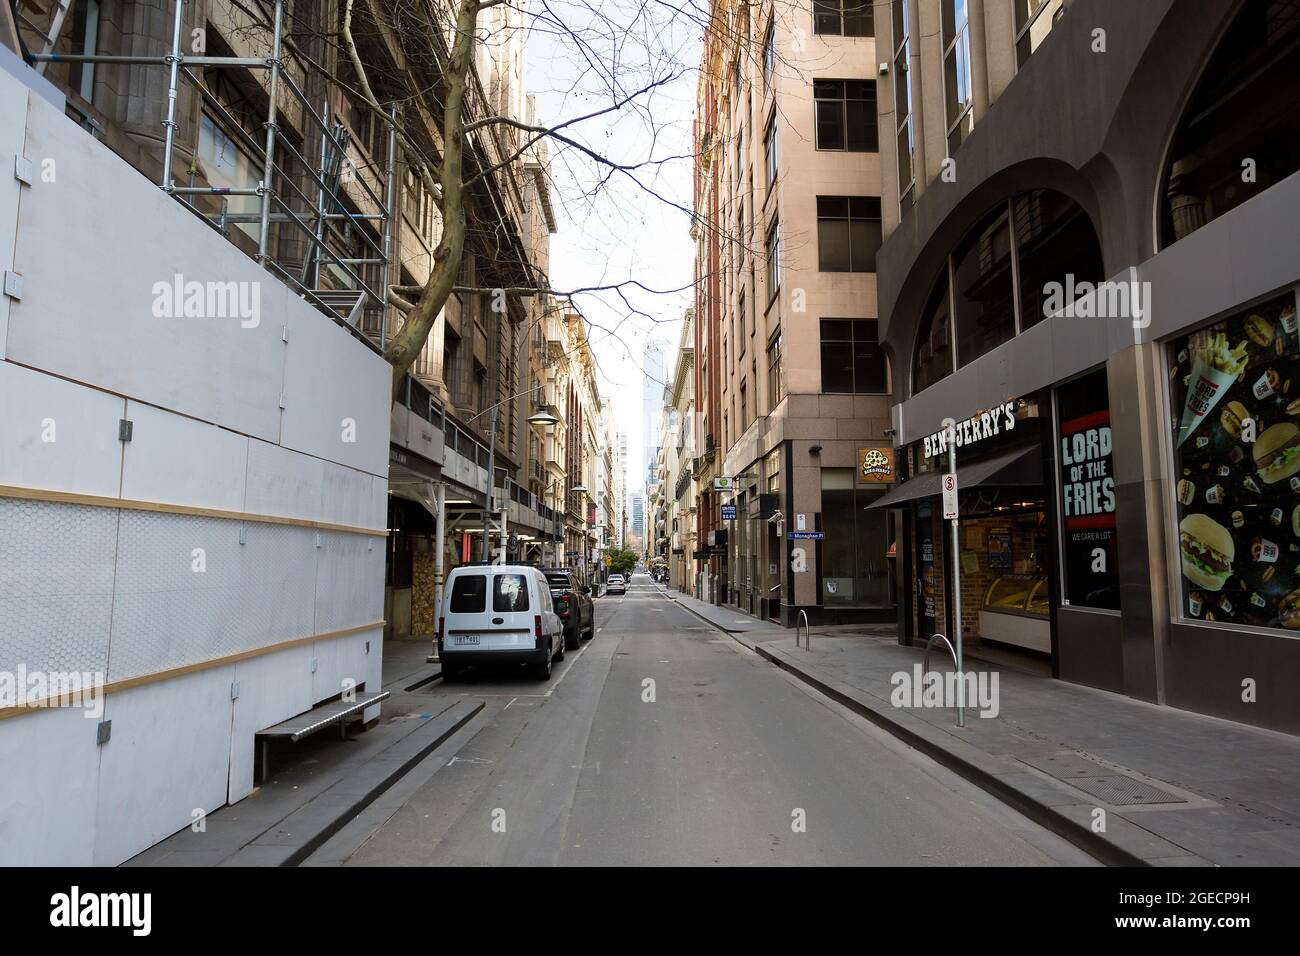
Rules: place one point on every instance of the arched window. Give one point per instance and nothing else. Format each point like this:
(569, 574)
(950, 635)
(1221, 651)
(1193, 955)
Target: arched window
(998, 279)
(1240, 132)
(934, 343)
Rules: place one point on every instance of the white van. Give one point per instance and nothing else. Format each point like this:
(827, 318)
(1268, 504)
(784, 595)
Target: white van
(498, 613)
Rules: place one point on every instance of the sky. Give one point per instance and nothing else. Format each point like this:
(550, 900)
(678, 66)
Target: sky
(613, 229)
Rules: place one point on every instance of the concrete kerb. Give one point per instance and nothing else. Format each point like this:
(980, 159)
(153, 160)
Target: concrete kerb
(973, 764)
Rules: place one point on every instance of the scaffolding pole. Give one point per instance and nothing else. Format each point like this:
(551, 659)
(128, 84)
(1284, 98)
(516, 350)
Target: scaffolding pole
(271, 116)
(317, 228)
(174, 71)
(390, 193)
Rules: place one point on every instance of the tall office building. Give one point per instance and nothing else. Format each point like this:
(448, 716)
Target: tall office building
(636, 505)
(792, 384)
(652, 400)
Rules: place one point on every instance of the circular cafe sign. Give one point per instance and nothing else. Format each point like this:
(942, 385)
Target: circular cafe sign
(876, 464)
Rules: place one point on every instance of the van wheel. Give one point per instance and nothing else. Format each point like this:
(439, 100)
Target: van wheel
(542, 669)
(450, 672)
(591, 632)
(559, 654)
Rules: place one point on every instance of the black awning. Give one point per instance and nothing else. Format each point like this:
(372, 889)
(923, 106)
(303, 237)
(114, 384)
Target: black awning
(1019, 468)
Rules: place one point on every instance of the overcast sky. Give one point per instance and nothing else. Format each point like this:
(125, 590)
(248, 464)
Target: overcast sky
(611, 229)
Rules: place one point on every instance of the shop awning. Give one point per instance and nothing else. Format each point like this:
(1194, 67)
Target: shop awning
(1018, 468)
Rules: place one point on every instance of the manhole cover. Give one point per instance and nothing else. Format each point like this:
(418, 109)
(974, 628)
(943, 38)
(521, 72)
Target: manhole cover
(1122, 791)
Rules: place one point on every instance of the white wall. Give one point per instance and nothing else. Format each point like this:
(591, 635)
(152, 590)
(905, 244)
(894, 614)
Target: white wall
(287, 418)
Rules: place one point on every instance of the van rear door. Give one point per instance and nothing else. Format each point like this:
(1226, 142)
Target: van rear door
(513, 610)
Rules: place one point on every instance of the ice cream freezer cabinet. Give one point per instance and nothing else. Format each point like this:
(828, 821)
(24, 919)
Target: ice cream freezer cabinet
(1015, 611)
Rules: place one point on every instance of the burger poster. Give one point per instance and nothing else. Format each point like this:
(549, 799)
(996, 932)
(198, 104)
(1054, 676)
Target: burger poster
(1236, 392)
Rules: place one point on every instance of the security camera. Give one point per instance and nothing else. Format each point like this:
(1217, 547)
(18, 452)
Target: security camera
(777, 517)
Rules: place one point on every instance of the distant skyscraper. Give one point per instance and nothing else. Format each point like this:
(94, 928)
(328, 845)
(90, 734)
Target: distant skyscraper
(638, 514)
(652, 399)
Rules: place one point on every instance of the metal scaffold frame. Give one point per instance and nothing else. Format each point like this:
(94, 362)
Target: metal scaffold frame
(324, 212)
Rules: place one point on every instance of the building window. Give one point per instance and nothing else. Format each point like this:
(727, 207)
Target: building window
(983, 297)
(769, 56)
(744, 405)
(956, 72)
(848, 233)
(846, 115)
(934, 338)
(84, 40)
(226, 165)
(740, 157)
(1234, 541)
(850, 18)
(775, 383)
(1018, 263)
(1088, 502)
(852, 360)
(902, 79)
(740, 233)
(1056, 247)
(773, 260)
(1246, 105)
(740, 319)
(770, 155)
(1034, 20)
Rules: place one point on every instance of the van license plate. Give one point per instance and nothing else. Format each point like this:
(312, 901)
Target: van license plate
(462, 639)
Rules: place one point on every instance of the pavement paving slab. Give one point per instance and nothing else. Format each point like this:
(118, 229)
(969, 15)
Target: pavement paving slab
(1239, 781)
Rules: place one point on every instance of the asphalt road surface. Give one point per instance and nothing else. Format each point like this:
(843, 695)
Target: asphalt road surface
(665, 742)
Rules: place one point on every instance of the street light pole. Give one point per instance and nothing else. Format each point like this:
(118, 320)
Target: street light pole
(492, 461)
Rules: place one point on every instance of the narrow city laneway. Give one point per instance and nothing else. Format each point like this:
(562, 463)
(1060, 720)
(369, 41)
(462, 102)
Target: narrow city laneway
(665, 742)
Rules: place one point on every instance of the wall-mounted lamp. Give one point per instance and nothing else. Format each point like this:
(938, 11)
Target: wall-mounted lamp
(815, 449)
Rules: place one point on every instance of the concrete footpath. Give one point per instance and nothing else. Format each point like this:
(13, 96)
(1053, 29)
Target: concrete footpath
(1129, 782)
(320, 785)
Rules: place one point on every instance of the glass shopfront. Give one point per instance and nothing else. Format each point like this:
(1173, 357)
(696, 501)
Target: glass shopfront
(1005, 532)
(1235, 400)
(855, 569)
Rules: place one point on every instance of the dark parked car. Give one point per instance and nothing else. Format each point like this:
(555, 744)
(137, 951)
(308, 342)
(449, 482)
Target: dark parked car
(574, 605)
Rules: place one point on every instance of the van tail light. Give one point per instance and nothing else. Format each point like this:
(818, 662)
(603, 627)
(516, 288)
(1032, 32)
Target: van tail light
(537, 626)
(442, 623)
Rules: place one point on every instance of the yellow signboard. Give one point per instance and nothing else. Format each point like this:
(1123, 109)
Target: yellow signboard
(876, 464)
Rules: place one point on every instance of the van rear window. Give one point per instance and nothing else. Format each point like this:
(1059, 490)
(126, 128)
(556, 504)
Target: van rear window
(509, 593)
(469, 594)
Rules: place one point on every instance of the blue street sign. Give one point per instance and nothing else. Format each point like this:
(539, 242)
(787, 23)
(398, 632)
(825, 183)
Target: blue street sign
(806, 535)
(728, 512)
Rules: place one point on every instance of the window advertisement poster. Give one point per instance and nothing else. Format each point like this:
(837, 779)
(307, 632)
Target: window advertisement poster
(1235, 396)
(999, 547)
(1090, 560)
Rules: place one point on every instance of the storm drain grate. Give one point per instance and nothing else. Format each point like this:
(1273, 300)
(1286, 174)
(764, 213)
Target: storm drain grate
(1121, 791)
